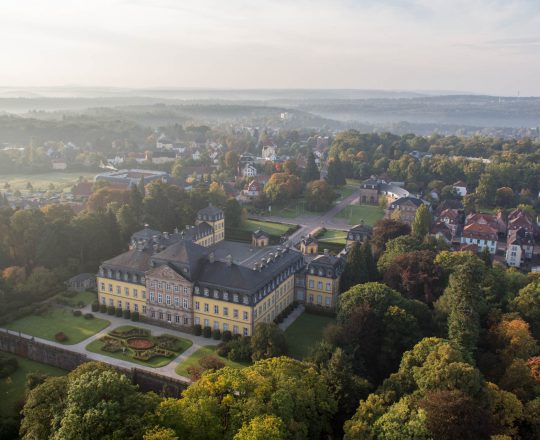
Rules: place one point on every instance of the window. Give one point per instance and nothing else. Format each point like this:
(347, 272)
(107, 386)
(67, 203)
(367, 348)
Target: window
(143, 294)
(197, 305)
(328, 302)
(118, 290)
(103, 287)
(226, 296)
(153, 314)
(135, 293)
(235, 329)
(245, 331)
(319, 285)
(186, 320)
(245, 300)
(235, 313)
(102, 300)
(197, 290)
(216, 325)
(328, 287)
(185, 303)
(159, 285)
(169, 317)
(225, 311)
(144, 309)
(186, 290)
(168, 299)
(159, 297)
(111, 302)
(235, 298)
(319, 299)
(205, 292)
(127, 306)
(152, 297)
(206, 323)
(225, 327)
(119, 304)
(216, 310)
(176, 301)
(177, 288)
(136, 307)
(246, 316)
(160, 315)
(206, 307)
(311, 299)
(216, 294)
(197, 320)
(311, 284)
(177, 319)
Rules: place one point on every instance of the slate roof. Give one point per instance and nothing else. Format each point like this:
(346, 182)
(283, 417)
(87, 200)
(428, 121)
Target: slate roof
(210, 210)
(184, 254)
(260, 233)
(145, 234)
(201, 230)
(134, 260)
(414, 200)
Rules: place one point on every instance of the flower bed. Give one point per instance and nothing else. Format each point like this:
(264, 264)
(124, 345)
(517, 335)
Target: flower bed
(139, 343)
(146, 355)
(131, 333)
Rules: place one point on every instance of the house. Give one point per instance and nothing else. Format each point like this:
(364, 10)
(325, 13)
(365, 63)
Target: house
(260, 238)
(461, 188)
(269, 152)
(404, 209)
(518, 219)
(452, 218)
(373, 188)
(519, 247)
(495, 221)
(358, 234)
(483, 235)
(248, 170)
(82, 282)
(442, 230)
(252, 189)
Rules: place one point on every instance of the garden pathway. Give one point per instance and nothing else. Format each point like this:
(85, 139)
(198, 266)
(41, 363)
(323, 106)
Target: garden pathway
(292, 317)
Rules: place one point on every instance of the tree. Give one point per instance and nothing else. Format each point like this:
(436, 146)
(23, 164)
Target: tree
(527, 304)
(233, 213)
(268, 341)
(231, 161)
(312, 171)
(282, 187)
(505, 197)
(395, 248)
(420, 225)
(485, 191)
(360, 267)
(216, 194)
(319, 196)
(157, 433)
(336, 176)
(262, 428)
(454, 415)
(386, 230)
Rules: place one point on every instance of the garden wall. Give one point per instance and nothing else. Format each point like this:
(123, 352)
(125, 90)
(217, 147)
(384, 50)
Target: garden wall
(69, 360)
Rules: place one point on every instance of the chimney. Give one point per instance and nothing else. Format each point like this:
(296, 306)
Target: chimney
(211, 257)
(228, 259)
(326, 252)
(176, 230)
(166, 235)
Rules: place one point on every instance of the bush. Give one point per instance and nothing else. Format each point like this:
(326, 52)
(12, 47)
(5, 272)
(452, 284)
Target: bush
(207, 332)
(195, 372)
(103, 308)
(315, 309)
(211, 362)
(216, 334)
(8, 366)
(223, 349)
(77, 312)
(88, 316)
(197, 330)
(111, 310)
(240, 349)
(226, 336)
(118, 313)
(135, 316)
(126, 314)
(95, 307)
(61, 337)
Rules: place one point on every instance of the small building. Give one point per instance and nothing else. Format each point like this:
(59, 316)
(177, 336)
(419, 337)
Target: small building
(323, 276)
(259, 239)
(82, 282)
(248, 170)
(461, 188)
(309, 245)
(358, 234)
(404, 208)
(519, 247)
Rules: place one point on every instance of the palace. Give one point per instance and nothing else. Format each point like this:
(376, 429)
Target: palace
(195, 277)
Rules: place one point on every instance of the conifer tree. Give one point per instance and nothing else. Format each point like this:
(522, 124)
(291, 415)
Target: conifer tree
(420, 226)
(312, 171)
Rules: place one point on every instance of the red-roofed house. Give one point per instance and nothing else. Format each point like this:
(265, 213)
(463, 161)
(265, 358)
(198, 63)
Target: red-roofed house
(481, 234)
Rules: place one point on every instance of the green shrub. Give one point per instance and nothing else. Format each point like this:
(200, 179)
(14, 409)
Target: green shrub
(88, 316)
(8, 366)
(240, 349)
(77, 313)
(61, 337)
(111, 310)
(207, 332)
(126, 314)
(103, 308)
(315, 309)
(135, 316)
(95, 306)
(216, 334)
(197, 330)
(223, 349)
(226, 336)
(118, 313)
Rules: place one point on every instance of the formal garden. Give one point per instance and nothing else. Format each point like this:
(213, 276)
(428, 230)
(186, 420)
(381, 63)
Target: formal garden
(59, 324)
(138, 345)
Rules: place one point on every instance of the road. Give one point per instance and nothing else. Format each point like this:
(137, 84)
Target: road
(309, 223)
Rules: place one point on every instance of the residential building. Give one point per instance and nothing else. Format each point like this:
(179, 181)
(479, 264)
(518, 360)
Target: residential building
(248, 170)
(358, 234)
(519, 247)
(323, 276)
(252, 189)
(481, 234)
(404, 209)
(269, 152)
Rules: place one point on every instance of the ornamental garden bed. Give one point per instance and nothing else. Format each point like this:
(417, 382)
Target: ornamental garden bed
(137, 345)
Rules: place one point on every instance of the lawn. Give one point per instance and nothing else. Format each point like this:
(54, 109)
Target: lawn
(356, 213)
(292, 210)
(55, 320)
(304, 333)
(78, 298)
(13, 388)
(42, 181)
(333, 236)
(181, 369)
(277, 229)
(126, 354)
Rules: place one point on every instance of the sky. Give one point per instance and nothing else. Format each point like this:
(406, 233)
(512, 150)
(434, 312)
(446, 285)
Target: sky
(479, 46)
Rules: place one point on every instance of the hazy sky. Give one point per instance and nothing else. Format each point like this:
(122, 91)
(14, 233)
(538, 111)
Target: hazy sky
(488, 46)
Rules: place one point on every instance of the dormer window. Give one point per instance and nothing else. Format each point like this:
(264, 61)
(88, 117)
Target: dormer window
(206, 292)
(226, 296)
(196, 290)
(235, 298)
(245, 300)
(216, 293)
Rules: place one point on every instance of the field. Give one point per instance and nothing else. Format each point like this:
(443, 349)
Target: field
(305, 333)
(333, 236)
(43, 180)
(269, 227)
(356, 213)
(127, 354)
(55, 320)
(13, 388)
(205, 351)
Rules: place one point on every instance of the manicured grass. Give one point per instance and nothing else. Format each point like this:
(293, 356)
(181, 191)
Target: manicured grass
(155, 362)
(81, 297)
(56, 320)
(356, 213)
(13, 388)
(181, 369)
(292, 210)
(304, 333)
(269, 227)
(42, 181)
(333, 236)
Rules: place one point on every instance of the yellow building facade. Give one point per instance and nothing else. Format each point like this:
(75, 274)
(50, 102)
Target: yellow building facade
(323, 276)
